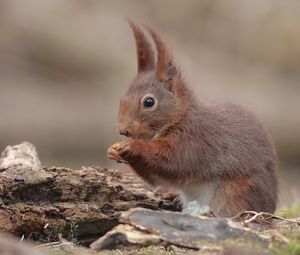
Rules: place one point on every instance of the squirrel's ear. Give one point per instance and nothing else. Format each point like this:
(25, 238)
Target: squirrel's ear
(165, 68)
(145, 54)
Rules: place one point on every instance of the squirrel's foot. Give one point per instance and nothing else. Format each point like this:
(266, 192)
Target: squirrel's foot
(171, 196)
(167, 194)
(117, 151)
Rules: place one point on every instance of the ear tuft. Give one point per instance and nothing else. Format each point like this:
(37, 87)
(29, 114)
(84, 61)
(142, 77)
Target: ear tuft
(165, 69)
(145, 54)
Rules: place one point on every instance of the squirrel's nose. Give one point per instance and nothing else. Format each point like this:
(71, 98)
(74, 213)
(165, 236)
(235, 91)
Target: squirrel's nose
(124, 132)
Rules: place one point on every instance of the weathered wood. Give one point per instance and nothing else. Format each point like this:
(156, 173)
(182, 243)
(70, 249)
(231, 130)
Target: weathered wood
(82, 204)
(23, 155)
(140, 227)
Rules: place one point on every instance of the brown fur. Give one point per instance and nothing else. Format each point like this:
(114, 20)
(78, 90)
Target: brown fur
(183, 141)
(145, 55)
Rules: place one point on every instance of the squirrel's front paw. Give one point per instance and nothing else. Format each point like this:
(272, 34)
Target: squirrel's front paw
(117, 151)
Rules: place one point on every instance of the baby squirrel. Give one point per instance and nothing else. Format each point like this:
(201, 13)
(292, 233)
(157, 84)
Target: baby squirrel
(216, 154)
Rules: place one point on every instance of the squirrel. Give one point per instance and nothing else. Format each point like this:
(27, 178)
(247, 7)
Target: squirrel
(218, 155)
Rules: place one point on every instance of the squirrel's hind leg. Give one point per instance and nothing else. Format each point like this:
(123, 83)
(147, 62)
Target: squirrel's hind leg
(233, 196)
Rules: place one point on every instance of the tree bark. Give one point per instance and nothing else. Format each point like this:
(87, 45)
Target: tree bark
(41, 202)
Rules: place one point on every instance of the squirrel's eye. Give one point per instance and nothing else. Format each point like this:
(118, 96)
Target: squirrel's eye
(149, 102)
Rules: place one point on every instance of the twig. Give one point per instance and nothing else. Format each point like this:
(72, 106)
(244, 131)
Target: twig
(21, 240)
(264, 215)
(54, 245)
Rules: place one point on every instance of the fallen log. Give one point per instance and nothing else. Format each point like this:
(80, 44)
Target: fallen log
(141, 227)
(41, 202)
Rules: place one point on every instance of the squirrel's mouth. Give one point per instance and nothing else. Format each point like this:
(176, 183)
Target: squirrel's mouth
(138, 131)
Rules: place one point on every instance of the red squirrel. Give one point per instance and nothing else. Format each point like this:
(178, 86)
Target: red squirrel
(218, 155)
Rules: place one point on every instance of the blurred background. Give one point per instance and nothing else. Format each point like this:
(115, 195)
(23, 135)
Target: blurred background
(64, 65)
